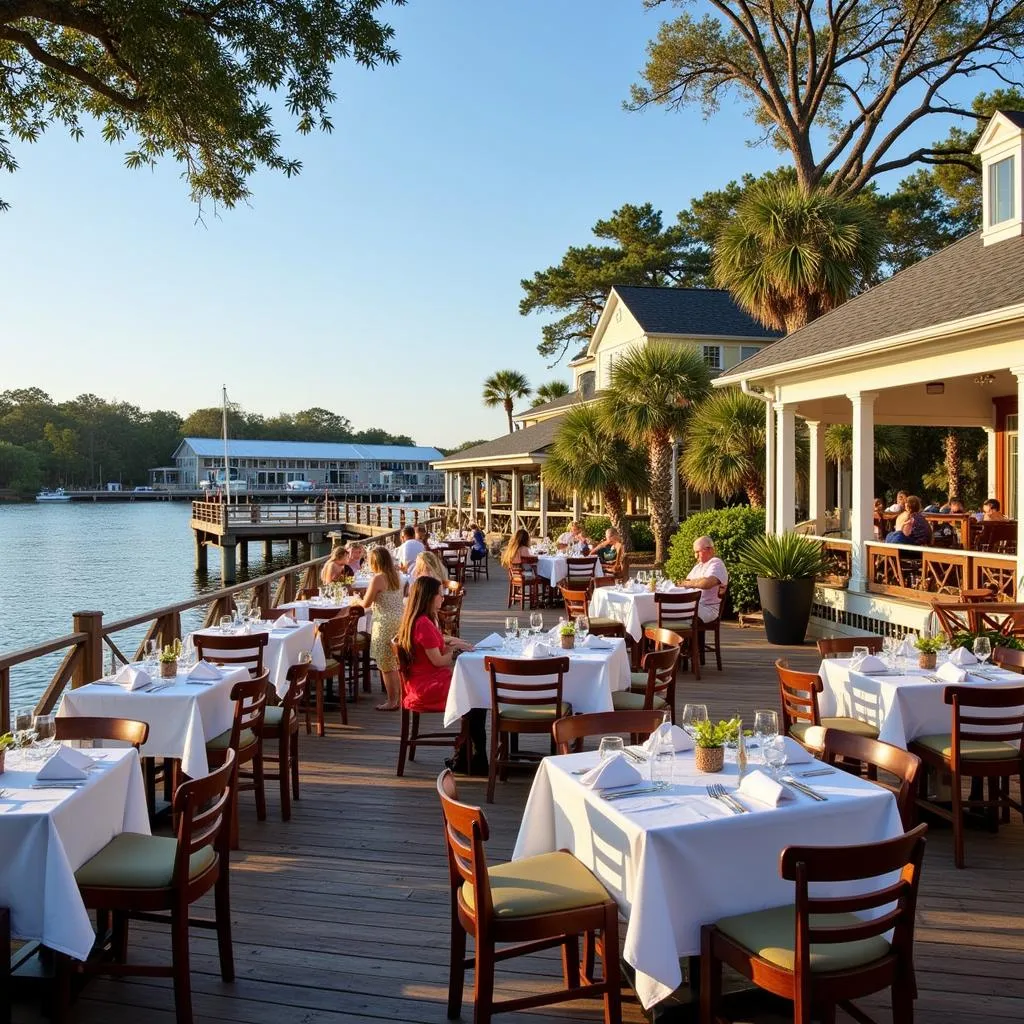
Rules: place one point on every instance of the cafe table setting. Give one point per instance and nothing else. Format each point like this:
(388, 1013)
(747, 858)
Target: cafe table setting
(631, 603)
(693, 847)
(554, 568)
(900, 699)
(598, 666)
(183, 712)
(54, 816)
(300, 609)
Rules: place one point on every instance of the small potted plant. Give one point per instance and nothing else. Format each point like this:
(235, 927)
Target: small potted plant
(6, 740)
(169, 660)
(567, 635)
(928, 647)
(710, 739)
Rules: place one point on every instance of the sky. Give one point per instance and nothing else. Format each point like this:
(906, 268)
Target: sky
(383, 281)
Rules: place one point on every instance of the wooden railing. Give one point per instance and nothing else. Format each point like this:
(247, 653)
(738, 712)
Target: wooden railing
(224, 516)
(839, 555)
(923, 574)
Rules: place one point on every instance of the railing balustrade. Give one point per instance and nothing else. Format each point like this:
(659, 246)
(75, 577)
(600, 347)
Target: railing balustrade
(923, 574)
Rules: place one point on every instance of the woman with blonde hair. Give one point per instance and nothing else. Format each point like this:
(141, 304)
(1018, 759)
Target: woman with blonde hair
(428, 563)
(384, 596)
(337, 567)
(518, 546)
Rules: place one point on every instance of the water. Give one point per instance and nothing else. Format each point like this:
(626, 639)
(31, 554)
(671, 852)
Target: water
(121, 559)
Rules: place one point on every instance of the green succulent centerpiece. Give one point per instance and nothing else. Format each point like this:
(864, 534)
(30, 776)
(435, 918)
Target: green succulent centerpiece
(928, 648)
(567, 634)
(710, 739)
(6, 740)
(169, 659)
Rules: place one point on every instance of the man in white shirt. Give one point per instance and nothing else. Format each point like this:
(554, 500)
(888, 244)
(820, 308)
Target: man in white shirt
(407, 551)
(708, 575)
(900, 504)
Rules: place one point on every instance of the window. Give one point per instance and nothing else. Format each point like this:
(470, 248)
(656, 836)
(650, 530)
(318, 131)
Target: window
(1012, 506)
(713, 356)
(1000, 191)
(746, 351)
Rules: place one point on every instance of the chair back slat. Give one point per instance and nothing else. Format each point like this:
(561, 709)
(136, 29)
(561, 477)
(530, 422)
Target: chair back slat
(842, 646)
(677, 611)
(1008, 658)
(82, 728)
(298, 685)
(244, 649)
(661, 667)
(575, 601)
(798, 693)
(510, 683)
(466, 832)
(202, 807)
(323, 614)
(571, 730)
(250, 699)
(1006, 728)
(449, 616)
(580, 571)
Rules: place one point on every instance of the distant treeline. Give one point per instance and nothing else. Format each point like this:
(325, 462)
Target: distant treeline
(89, 441)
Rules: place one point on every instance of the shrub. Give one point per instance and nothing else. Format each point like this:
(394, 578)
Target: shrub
(641, 537)
(730, 529)
(786, 556)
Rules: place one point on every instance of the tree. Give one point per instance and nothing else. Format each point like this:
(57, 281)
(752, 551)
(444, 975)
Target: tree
(647, 402)
(192, 81)
(19, 469)
(861, 73)
(586, 457)
(503, 388)
(642, 252)
(549, 392)
(209, 422)
(788, 256)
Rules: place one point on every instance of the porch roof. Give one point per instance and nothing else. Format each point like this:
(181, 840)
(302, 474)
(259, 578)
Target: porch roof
(526, 446)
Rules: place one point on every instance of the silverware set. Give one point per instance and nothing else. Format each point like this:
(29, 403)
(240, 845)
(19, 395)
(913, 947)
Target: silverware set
(632, 791)
(635, 755)
(788, 780)
(720, 793)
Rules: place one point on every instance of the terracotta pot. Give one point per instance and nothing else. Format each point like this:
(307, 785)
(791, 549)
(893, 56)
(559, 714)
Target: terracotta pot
(709, 759)
(926, 660)
(568, 642)
(168, 669)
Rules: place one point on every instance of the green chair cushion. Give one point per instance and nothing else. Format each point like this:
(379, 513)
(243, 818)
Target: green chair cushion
(638, 682)
(245, 739)
(602, 621)
(546, 884)
(273, 716)
(970, 750)
(676, 625)
(533, 712)
(628, 700)
(134, 861)
(799, 730)
(771, 935)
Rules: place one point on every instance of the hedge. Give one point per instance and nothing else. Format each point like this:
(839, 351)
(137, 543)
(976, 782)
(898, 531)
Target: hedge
(640, 531)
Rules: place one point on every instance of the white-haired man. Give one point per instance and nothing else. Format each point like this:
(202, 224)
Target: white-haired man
(709, 575)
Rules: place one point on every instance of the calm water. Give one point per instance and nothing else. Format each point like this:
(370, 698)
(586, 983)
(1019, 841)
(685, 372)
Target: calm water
(122, 559)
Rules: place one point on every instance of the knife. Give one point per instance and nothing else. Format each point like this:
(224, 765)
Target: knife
(801, 788)
(632, 792)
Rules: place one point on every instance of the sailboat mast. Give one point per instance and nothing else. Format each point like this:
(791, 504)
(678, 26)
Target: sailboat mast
(227, 468)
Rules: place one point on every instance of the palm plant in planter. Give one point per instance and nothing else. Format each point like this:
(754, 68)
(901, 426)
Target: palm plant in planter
(786, 566)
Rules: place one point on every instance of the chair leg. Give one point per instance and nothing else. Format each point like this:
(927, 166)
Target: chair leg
(483, 984)
(414, 733)
(259, 785)
(958, 822)
(492, 767)
(718, 646)
(710, 982)
(456, 966)
(903, 1001)
(320, 705)
(610, 966)
(294, 765)
(571, 961)
(120, 936)
(284, 754)
(403, 743)
(180, 962)
(222, 912)
(343, 695)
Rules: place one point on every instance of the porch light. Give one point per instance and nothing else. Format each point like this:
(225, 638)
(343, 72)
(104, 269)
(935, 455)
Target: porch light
(984, 378)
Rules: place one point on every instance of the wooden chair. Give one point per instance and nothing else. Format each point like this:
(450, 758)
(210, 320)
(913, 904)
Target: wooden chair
(526, 697)
(570, 732)
(479, 566)
(455, 558)
(535, 903)
(246, 650)
(977, 595)
(82, 728)
(842, 646)
(1005, 657)
(901, 763)
(820, 952)
(245, 738)
(576, 603)
(657, 692)
(714, 627)
(984, 745)
(411, 737)
(801, 719)
(281, 723)
(156, 878)
(524, 584)
(678, 613)
(580, 573)
(449, 616)
(998, 537)
(323, 614)
(334, 638)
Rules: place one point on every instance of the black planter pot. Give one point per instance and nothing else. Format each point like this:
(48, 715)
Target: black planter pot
(786, 605)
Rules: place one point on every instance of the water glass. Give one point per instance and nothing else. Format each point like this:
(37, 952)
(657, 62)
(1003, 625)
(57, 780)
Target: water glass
(692, 714)
(582, 628)
(24, 731)
(152, 655)
(536, 622)
(609, 746)
(663, 761)
(225, 623)
(982, 648)
(775, 754)
(858, 655)
(766, 728)
(511, 630)
(46, 733)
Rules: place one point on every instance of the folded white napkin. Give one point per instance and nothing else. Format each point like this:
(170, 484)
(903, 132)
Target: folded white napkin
(597, 643)
(679, 739)
(131, 678)
(65, 765)
(204, 670)
(615, 771)
(906, 649)
(869, 665)
(951, 673)
(285, 622)
(491, 640)
(795, 754)
(538, 649)
(760, 787)
(961, 656)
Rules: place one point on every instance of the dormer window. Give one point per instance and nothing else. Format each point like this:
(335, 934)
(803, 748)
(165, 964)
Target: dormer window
(1000, 191)
(1001, 148)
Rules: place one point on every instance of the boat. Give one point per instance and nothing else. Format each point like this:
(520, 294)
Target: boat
(57, 495)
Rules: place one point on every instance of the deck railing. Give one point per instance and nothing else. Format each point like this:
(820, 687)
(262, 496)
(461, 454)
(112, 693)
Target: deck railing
(924, 574)
(226, 516)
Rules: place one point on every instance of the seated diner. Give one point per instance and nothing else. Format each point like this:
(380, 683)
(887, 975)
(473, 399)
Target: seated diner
(709, 575)
(911, 525)
(337, 567)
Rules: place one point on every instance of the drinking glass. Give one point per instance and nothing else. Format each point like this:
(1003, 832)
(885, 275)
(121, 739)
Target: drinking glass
(242, 608)
(46, 731)
(582, 628)
(858, 655)
(663, 760)
(889, 645)
(775, 754)
(982, 648)
(188, 652)
(24, 731)
(225, 623)
(610, 745)
(255, 615)
(536, 622)
(320, 595)
(692, 714)
(511, 629)
(766, 728)
(152, 655)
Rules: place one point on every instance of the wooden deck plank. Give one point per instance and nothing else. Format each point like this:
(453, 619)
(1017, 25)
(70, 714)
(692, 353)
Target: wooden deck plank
(341, 915)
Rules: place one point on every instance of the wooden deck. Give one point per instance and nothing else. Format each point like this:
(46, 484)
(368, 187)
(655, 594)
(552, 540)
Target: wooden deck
(341, 915)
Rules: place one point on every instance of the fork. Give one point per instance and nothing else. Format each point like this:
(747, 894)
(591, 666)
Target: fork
(719, 792)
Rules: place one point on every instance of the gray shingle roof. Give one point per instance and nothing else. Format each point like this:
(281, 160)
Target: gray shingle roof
(1016, 116)
(701, 311)
(964, 279)
(519, 442)
(556, 403)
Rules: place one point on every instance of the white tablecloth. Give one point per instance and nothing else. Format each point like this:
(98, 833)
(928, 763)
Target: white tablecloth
(46, 835)
(676, 862)
(181, 718)
(631, 609)
(902, 706)
(282, 651)
(301, 609)
(554, 568)
(588, 685)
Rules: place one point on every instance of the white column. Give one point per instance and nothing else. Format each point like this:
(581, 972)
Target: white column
(543, 507)
(862, 496)
(487, 500)
(785, 468)
(675, 481)
(816, 475)
(474, 496)
(990, 462)
(515, 499)
(769, 467)
(1018, 372)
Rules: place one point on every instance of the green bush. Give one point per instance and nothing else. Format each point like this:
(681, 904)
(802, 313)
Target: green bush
(730, 529)
(642, 539)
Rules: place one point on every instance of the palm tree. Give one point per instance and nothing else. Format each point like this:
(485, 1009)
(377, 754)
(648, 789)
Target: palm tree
(550, 391)
(587, 458)
(503, 388)
(647, 402)
(788, 256)
(892, 446)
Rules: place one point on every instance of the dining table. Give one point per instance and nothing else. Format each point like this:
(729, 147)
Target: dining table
(301, 610)
(49, 830)
(594, 674)
(554, 568)
(183, 715)
(677, 859)
(631, 604)
(902, 702)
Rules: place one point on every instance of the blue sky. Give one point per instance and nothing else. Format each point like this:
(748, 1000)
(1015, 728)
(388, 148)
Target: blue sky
(382, 282)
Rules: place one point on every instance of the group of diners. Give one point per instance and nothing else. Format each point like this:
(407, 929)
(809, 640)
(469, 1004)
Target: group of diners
(912, 526)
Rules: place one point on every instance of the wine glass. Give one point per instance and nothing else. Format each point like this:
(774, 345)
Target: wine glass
(536, 622)
(663, 759)
(46, 732)
(982, 648)
(692, 714)
(775, 754)
(24, 731)
(582, 628)
(225, 623)
(858, 654)
(152, 655)
(511, 629)
(609, 746)
(766, 728)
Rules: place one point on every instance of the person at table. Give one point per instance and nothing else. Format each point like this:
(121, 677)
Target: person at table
(708, 576)
(610, 550)
(954, 508)
(911, 525)
(407, 551)
(384, 596)
(420, 533)
(991, 511)
(518, 546)
(479, 549)
(877, 514)
(356, 558)
(900, 504)
(336, 569)
(573, 536)
(428, 563)
(431, 656)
